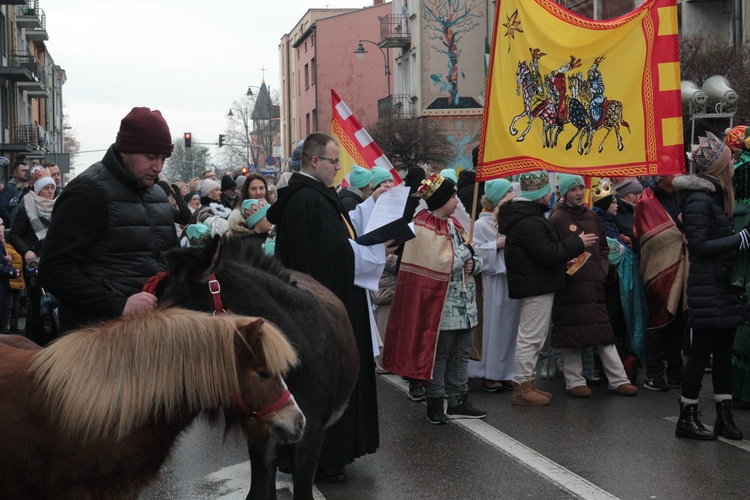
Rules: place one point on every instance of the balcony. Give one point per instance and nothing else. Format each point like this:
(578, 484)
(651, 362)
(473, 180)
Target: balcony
(25, 139)
(399, 106)
(37, 88)
(12, 2)
(22, 67)
(394, 32)
(33, 20)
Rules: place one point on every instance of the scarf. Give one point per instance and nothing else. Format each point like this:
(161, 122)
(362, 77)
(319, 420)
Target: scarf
(39, 211)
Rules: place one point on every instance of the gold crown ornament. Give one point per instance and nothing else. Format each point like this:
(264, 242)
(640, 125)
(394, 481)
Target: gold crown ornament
(708, 152)
(534, 181)
(430, 185)
(604, 189)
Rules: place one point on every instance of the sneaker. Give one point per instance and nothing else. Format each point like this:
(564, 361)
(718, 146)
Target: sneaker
(656, 383)
(416, 392)
(464, 409)
(435, 412)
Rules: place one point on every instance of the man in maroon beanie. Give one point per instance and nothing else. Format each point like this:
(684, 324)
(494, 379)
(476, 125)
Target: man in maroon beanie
(110, 227)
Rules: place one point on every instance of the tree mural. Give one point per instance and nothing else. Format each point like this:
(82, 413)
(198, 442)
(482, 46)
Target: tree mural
(448, 20)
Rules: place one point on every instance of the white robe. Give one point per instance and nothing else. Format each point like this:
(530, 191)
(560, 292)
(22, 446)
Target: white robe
(501, 314)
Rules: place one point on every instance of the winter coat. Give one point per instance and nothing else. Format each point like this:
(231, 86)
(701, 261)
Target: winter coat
(107, 238)
(579, 314)
(625, 219)
(350, 197)
(712, 250)
(387, 282)
(534, 256)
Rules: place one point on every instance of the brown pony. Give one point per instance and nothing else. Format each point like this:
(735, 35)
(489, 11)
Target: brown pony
(94, 415)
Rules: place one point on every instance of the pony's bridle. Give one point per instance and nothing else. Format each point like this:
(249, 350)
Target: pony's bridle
(215, 288)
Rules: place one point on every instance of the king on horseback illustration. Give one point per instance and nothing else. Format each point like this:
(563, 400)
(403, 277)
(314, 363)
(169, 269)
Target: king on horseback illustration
(587, 108)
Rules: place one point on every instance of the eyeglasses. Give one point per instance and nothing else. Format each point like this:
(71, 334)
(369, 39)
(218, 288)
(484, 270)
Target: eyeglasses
(332, 160)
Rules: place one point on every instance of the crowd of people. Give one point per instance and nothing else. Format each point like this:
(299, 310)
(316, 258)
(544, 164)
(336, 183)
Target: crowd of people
(642, 274)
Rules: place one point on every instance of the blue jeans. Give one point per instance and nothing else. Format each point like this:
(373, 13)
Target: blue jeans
(450, 374)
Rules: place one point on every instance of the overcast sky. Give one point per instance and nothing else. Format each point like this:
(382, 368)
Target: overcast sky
(190, 59)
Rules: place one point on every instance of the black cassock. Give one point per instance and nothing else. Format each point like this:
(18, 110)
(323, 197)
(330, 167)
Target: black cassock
(313, 238)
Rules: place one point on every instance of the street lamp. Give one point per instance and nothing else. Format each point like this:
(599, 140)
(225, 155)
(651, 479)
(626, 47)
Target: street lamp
(360, 52)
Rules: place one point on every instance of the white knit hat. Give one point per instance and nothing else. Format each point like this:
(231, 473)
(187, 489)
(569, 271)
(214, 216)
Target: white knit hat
(41, 182)
(208, 185)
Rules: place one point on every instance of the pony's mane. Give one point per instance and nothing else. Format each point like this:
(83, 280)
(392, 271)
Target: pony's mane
(109, 379)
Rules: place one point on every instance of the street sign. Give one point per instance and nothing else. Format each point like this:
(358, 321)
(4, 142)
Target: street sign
(270, 161)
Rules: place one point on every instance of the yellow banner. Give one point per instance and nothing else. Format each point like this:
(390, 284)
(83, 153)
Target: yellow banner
(598, 98)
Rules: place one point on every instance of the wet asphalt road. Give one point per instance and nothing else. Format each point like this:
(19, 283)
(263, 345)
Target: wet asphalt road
(607, 446)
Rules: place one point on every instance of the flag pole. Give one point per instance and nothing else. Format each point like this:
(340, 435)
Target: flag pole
(473, 219)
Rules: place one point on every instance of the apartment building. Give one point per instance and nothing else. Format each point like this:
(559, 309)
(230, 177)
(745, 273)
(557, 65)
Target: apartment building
(318, 55)
(31, 106)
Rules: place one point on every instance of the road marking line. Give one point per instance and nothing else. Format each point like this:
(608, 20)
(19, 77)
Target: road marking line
(742, 444)
(553, 471)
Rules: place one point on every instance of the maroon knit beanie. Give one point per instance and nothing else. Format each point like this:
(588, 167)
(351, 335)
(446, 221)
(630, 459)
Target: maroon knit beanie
(144, 131)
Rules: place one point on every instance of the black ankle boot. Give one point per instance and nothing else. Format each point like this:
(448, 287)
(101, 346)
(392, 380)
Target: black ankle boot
(725, 425)
(690, 426)
(436, 412)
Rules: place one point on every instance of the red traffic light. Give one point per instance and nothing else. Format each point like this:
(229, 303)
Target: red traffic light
(188, 139)
(243, 170)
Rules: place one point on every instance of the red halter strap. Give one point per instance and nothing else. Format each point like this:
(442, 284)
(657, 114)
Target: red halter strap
(215, 288)
(253, 415)
(154, 281)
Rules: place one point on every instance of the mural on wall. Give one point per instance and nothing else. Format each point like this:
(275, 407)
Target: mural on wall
(447, 22)
(462, 135)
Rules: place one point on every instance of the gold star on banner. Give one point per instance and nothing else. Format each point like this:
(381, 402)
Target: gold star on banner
(513, 25)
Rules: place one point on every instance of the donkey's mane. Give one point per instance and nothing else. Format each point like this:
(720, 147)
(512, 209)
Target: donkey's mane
(109, 379)
(233, 250)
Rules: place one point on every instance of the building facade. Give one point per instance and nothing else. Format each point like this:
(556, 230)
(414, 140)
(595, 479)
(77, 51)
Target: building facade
(437, 52)
(31, 105)
(317, 56)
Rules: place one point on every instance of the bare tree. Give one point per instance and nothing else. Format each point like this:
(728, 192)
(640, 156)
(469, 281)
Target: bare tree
(411, 141)
(250, 136)
(71, 145)
(702, 56)
(184, 164)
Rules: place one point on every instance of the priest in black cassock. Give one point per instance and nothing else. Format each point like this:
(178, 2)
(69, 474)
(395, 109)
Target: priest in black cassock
(315, 236)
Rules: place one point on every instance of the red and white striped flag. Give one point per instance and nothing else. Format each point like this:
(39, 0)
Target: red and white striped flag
(356, 145)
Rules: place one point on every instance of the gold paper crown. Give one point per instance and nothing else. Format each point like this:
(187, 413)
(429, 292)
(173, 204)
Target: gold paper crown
(601, 191)
(430, 185)
(533, 181)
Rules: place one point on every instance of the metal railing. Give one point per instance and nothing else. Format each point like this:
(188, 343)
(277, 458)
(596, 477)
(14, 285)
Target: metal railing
(394, 26)
(32, 10)
(31, 135)
(397, 106)
(28, 61)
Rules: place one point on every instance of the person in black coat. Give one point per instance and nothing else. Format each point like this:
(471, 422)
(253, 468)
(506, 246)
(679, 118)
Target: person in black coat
(715, 306)
(314, 236)
(535, 260)
(359, 188)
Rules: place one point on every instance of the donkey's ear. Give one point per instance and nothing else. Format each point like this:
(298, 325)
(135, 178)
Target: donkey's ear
(204, 264)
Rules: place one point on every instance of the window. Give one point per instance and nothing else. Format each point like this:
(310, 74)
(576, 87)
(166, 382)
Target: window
(305, 46)
(307, 76)
(313, 72)
(307, 124)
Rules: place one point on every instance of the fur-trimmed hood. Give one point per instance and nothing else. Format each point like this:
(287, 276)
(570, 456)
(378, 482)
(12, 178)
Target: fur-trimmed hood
(693, 183)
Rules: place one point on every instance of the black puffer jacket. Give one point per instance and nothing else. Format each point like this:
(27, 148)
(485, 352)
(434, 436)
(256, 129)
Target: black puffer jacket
(535, 258)
(712, 248)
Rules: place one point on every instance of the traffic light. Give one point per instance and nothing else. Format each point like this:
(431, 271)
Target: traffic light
(221, 140)
(188, 140)
(243, 170)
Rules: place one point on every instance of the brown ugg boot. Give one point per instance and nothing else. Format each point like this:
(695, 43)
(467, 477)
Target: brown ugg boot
(524, 395)
(539, 391)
